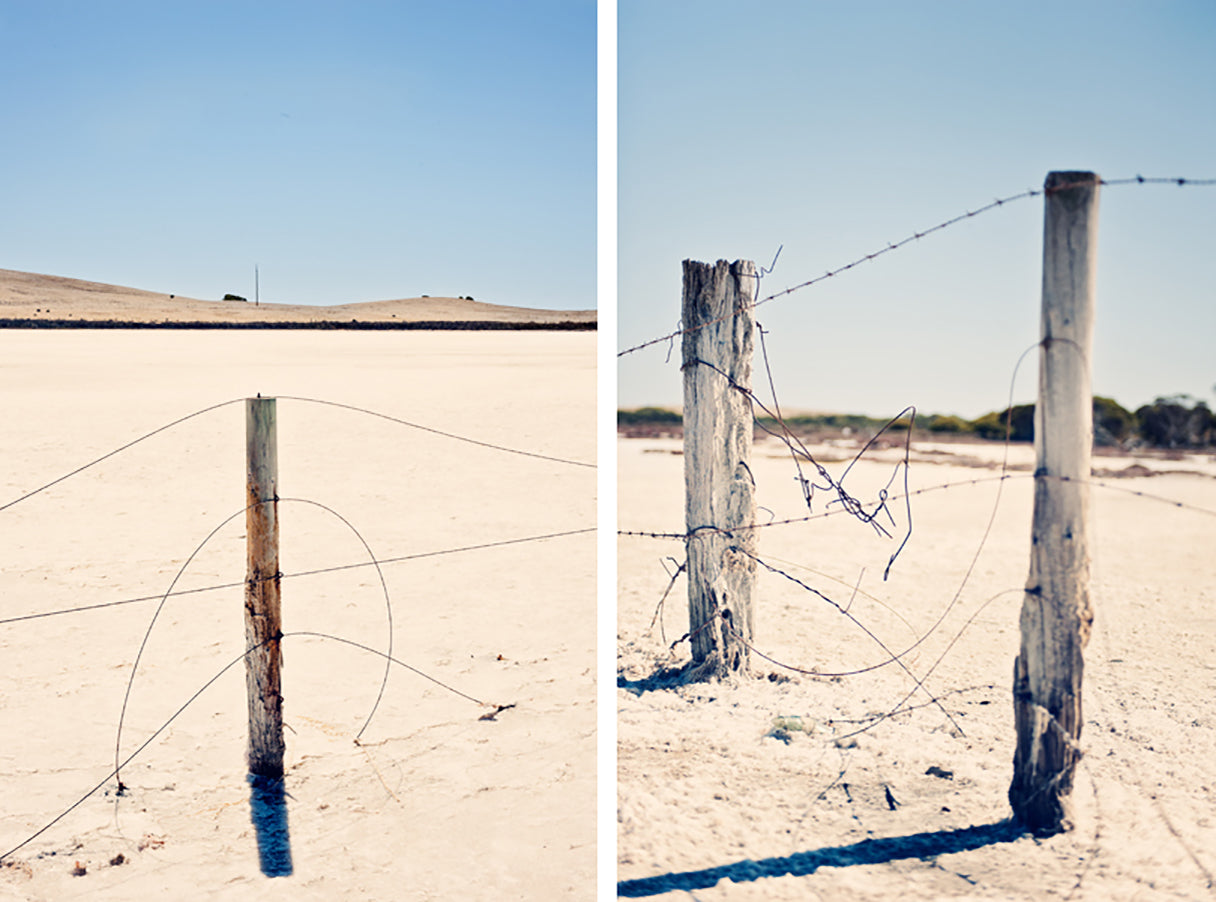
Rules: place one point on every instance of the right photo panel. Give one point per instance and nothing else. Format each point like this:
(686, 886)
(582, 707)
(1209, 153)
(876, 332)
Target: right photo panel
(916, 457)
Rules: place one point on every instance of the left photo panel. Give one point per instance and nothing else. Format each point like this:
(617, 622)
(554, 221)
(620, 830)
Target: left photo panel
(298, 468)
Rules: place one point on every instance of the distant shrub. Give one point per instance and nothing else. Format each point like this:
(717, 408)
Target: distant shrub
(234, 297)
(1170, 423)
(1113, 424)
(817, 422)
(649, 416)
(1018, 420)
(944, 424)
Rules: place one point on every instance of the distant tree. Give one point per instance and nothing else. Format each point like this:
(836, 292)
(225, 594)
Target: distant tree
(1113, 424)
(1201, 427)
(1169, 423)
(1204, 424)
(1016, 421)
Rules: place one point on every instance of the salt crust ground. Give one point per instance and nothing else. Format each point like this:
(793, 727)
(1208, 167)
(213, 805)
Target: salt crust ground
(794, 774)
(434, 803)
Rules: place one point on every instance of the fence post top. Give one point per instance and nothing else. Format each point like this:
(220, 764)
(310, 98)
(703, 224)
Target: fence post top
(1058, 180)
(738, 265)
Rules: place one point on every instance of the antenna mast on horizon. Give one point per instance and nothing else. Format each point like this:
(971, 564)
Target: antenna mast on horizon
(256, 298)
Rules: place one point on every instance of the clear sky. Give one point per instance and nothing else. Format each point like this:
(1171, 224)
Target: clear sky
(834, 128)
(353, 151)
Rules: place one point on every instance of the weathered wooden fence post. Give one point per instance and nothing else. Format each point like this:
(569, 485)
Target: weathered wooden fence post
(263, 629)
(1056, 612)
(719, 489)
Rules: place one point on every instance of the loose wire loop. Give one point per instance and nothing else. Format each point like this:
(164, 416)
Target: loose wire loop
(172, 592)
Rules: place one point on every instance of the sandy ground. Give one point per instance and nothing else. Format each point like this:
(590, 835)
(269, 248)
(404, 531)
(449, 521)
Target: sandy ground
(799, 787)
(432, 803)
(42, 297)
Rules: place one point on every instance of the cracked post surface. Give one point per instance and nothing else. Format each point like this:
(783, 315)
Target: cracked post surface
(1057, 614)
(719, 489)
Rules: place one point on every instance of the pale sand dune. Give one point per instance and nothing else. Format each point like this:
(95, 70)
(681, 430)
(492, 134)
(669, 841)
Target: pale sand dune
(433, 803)
(706, 790)
(30, 296)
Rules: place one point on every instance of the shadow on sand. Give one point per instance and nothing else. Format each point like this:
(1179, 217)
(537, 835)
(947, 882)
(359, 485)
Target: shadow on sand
(672, 678)
(868, 851)
(663, 678)
(268, 810)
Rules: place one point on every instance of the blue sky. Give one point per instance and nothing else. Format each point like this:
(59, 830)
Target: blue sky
(835, 128)
(353, 151)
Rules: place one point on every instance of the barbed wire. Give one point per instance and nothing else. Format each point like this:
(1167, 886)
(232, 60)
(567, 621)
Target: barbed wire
(901, 706)
(117, 450)
(854, 588)
(208, 409)
(207, 685)
(122, 715)
(848, 503)
(148, 632)
(681, 567)
(798, 449)
(1142, 180)
(892, 657)
(791, 521)
(928, 673)
(919, 681)
(907, 709)
(923, 671)
(147, 742)
(916, 236)
(1000, 479)
(390, 660)
(440, 432)
(113, 604)
(321, 570)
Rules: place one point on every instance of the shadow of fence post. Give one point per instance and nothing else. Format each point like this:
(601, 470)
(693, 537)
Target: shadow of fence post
(263, 634)
(268, 811)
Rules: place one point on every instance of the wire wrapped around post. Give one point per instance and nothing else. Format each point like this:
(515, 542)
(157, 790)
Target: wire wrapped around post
(718, 484)
(263, 623)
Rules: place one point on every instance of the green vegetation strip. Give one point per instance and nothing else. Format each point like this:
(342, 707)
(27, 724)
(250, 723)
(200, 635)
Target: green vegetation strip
(1175, 422)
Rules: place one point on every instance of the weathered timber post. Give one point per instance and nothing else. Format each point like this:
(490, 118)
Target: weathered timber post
(1056, 611)
(263, 629)
(718, 484)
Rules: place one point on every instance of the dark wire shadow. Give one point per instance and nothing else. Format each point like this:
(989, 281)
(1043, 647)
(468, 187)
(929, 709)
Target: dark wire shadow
(268, 810)
(801, 864)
